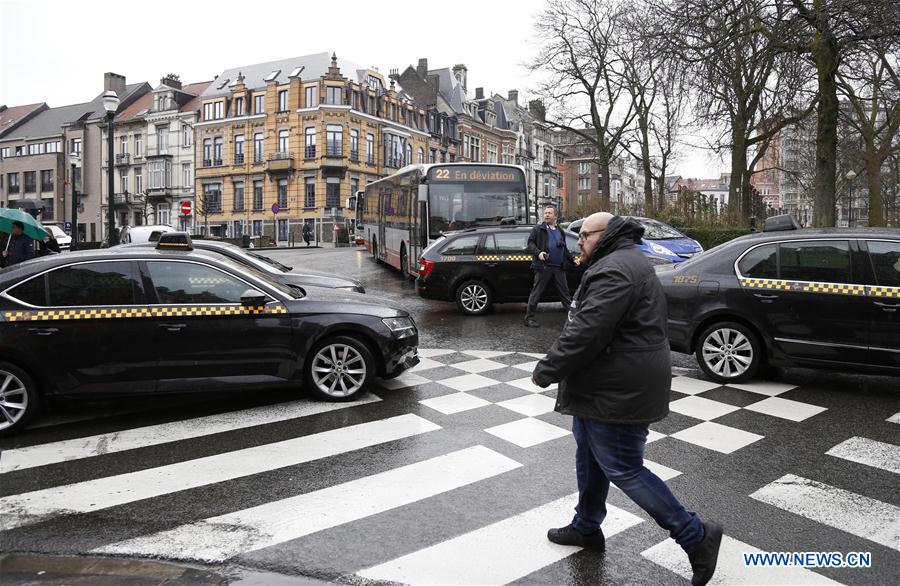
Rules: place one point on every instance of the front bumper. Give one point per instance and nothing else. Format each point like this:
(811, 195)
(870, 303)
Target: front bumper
(402, 354)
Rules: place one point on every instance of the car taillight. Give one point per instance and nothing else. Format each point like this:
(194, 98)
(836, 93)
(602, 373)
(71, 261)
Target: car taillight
(425, 267)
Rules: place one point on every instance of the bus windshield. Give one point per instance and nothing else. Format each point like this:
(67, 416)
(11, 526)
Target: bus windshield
(456, 206)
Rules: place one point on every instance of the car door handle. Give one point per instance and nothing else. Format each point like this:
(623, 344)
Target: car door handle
(888, 307)
(42, 331)
(490, 264)
(765, 298)
(173, 327)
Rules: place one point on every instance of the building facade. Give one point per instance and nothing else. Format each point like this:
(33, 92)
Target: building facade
(286, 143)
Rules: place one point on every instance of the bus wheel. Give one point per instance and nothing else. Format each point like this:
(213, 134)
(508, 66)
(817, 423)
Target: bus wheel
(474, 298)
(404, 263)
(375, 250)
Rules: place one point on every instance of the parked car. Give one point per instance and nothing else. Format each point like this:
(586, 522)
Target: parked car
(660, 240)
(143, 234)
(63, 239)
(274, 269)
(789, 296)
(132, 320)
(478, 267)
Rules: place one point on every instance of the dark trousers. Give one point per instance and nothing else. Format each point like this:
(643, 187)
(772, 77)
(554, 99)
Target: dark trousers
(542, 278)
(611, 452)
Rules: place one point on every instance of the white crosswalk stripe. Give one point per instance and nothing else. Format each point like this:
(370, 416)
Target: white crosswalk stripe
(497, 554)
(225, 536)
(856, 514)
(869, 452)
(92, 495)
(730, 568)
(153, 435)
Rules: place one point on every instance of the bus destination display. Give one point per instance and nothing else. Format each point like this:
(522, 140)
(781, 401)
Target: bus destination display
(484, 174)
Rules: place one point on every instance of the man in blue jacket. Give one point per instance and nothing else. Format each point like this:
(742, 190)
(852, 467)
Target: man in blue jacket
(19, 247)
(549, 257)
(614, 371)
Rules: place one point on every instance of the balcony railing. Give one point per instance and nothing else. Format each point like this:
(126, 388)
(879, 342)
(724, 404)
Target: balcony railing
(239, 159)
(14, 189)
(370, 159)
(334, 151)
(393, 162)
(310, 152)
(122, 198)
(207, 162)
(30, 188)
(217, 162)
(281, 161)
(46, 187)
(354, 155)
(281, 155)
(123, 159)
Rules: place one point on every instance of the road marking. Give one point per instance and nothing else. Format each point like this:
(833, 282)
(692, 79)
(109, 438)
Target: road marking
(730, 568)
(869, 452)
(92, 495)
(225, 536)
(854, 513)
(497, 554)
(153, 435)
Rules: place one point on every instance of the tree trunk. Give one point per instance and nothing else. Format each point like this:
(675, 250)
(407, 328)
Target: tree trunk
(649, 207)
(604, 186)
(825, 53)
(735, 182)
(876, 204)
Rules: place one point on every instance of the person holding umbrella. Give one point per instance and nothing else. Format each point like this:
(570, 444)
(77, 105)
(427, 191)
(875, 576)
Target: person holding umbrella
(23, 230)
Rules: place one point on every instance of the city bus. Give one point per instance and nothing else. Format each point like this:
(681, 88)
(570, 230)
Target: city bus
(403, 213)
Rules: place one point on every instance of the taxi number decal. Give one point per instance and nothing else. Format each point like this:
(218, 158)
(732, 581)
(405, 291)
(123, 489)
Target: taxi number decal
(687, 279)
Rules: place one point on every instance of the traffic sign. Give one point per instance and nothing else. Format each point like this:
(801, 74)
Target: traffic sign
(185, 208)
(68, 226)
(275, 208)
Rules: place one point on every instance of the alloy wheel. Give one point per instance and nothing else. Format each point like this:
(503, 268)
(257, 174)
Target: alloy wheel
(13, 399)
(473, 298)
(339, 370)
(727, 352)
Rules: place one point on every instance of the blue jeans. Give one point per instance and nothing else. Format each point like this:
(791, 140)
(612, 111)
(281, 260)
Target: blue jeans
(610, 452)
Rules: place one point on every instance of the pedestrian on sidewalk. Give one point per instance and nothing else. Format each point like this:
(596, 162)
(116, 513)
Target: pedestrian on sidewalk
(614, 371)
(19, 247)
(307, 233)
(549, 258)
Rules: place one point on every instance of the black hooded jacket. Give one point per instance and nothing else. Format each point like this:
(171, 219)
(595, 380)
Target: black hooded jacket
(612, 359)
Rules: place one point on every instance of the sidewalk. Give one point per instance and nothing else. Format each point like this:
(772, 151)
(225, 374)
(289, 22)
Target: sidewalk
(24, 569)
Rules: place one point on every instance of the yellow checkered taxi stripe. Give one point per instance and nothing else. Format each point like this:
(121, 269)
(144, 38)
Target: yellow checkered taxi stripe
(141, 312)
(827, 288)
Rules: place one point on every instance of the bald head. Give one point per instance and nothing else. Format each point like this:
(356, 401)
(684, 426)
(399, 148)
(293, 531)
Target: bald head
(591, 232)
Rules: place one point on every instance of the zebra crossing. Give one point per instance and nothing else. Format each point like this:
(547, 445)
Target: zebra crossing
(451, 474)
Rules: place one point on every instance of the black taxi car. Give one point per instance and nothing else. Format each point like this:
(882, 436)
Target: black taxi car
(789, 296)
(271, 267)
(173, 319)
(478, 267)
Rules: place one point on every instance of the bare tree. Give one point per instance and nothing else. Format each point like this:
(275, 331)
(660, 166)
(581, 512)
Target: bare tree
(827, 32)
(585, 85)
(743, 83)
(871, 86)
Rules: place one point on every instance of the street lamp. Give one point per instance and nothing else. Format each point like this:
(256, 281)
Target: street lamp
(851, 175)
(74, 160)
(110, 104)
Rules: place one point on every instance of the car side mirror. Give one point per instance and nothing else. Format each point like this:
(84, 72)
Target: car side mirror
(253, 298)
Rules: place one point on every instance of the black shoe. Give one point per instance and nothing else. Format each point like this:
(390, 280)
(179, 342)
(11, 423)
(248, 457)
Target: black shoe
(530, 323)
(704, 558)
(568, 535)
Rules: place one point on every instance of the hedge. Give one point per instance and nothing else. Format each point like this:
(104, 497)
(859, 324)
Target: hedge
(710, 237)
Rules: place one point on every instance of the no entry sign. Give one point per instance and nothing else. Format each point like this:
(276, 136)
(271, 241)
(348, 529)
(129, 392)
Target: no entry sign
(185, 208)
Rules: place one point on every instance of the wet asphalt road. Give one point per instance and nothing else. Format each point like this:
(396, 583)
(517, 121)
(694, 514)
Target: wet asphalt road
(788, 429)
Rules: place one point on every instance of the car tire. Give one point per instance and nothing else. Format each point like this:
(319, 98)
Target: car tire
(375, 250)
(340, 368)
(729, 352)
(19, 397)
(474, 297)
(403, 262)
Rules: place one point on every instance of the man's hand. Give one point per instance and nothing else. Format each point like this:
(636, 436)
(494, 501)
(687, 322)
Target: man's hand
(5, 253)
(577, 261)
(543, 256)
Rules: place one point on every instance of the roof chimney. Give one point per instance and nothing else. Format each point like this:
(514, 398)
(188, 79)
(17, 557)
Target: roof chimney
(536, 107)
(514, 96)
(422, 68)
(171, 80)
(114, 82)
(479, 93)
(460, 72)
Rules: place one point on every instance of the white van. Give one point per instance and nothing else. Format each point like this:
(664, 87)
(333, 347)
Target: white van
(142, 234)
(63, 239)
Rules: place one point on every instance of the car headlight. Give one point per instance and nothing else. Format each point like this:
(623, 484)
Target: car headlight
(401, 326)
(657, 249)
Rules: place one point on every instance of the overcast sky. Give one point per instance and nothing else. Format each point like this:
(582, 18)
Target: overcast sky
(57, 51)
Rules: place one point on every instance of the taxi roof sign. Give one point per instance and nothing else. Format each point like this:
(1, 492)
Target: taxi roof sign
(175, 241)
(780, 223)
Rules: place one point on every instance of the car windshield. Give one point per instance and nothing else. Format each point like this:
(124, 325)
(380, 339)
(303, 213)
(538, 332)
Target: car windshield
(291, 291)
(270, 261)
(654, 230)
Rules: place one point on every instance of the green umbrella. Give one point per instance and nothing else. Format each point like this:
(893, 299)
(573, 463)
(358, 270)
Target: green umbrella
(33, 228)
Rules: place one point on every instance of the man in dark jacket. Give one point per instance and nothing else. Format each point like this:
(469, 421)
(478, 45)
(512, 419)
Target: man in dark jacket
(19, 247)
(547, 245)
(613, 367)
